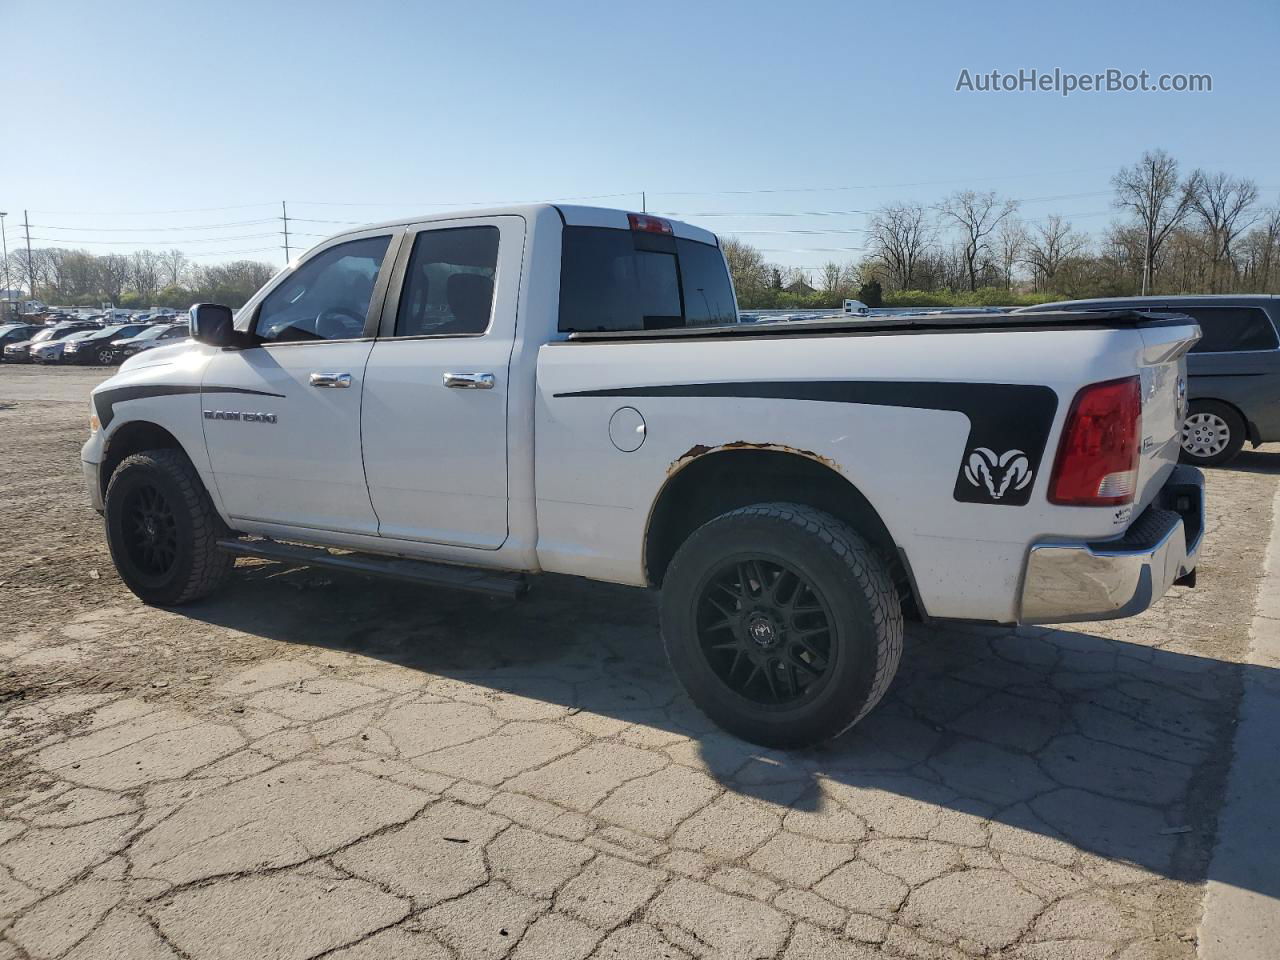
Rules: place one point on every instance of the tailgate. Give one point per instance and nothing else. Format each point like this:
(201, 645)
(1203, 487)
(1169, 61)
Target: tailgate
(1163, 368)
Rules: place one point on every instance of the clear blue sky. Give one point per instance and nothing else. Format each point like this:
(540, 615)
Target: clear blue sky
(118, 110)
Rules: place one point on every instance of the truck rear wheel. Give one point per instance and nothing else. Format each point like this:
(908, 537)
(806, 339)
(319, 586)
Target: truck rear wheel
(162, 529)
(781, 623)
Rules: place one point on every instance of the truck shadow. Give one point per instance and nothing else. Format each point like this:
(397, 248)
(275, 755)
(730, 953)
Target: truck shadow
(1256, 461)
(1051, 743)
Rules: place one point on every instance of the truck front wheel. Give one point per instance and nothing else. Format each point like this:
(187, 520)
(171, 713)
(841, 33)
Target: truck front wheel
(782, 623)
(162, 529)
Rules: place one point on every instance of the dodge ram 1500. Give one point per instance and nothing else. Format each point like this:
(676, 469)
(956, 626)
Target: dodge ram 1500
(470, 399)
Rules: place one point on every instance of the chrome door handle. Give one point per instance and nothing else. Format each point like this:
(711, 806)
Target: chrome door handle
(469, 381)
(330, 379)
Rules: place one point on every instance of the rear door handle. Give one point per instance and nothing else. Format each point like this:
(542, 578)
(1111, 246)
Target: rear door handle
(330, 379)
(469, 381)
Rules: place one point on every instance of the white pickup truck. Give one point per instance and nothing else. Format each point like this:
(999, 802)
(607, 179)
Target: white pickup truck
(470, 399)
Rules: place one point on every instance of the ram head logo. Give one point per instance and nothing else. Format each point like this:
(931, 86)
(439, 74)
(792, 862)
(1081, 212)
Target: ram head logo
(1001, 473)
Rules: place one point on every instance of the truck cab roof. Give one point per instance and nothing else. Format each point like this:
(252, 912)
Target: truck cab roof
(570, 215)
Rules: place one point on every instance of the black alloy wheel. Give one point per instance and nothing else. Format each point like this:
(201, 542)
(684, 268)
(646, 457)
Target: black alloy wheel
(151, 531)
(765, 630)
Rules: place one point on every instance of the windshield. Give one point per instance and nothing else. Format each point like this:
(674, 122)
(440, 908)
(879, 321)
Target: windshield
(109, 331)
(42, 336)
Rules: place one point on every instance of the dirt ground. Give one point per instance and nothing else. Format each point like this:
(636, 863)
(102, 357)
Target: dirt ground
(318, 765)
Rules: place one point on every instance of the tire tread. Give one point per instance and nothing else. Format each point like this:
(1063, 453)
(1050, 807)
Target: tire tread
(867, 568)
(210, 565)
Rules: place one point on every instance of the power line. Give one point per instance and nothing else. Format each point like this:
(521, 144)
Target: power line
(466, 203)
(203, 226)
(874, 186)
(143, 243)
(148, 213)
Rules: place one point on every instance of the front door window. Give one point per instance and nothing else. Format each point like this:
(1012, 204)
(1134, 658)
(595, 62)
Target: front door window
(327, 298)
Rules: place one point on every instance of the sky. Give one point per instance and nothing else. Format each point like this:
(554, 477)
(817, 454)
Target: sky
(140, 124)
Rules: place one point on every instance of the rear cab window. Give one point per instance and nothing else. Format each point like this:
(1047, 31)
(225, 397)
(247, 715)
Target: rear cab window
(618, 280)
(1232, 329)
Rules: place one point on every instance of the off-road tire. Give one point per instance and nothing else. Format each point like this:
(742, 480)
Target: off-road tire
(1235, 426)
(841, 567)
(198, 567)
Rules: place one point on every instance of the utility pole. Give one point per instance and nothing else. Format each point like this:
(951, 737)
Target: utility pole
(284, 215)
(31, 270)
(4, 246)
(644, 204)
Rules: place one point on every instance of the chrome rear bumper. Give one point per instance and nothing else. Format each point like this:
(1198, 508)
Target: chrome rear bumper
(1067, 582)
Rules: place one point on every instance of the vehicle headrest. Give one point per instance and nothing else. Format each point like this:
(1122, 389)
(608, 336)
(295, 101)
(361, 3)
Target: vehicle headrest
(470, 296)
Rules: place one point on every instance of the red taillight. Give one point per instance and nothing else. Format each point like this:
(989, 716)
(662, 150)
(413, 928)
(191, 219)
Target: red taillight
(1097, 463)
(643, 223)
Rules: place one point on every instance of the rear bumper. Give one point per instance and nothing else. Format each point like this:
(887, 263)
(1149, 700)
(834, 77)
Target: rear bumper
(1067, 582)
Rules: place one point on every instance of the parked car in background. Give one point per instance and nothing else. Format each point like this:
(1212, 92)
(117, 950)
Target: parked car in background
(53, 351)
(16, 333)
(1233, 373)
(160, 334)
(20, 352)
(97, 347)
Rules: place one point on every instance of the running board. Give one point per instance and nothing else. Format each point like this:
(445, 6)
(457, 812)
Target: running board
(494, 583)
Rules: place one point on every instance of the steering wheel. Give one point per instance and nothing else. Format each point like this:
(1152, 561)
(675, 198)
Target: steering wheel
(338, 323)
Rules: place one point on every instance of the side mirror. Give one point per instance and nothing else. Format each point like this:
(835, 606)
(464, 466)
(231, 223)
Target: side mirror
(211, 323)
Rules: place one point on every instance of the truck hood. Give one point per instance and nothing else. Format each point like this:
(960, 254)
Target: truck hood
(182, 353)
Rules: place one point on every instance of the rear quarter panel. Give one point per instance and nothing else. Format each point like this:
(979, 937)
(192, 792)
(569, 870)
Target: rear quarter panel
(593, 500)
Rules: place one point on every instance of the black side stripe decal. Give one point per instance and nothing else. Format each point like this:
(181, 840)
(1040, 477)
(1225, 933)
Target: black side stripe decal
(1009, 423)
(105, 401)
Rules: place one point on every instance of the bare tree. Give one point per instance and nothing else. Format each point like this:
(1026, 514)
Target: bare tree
(1222, 203)
(796, 279)
(172, 263)
(144, 272)
(747, 266)
(1260, 251)
(899, 234)
(1011, 241)
(977, 215)
(115, 269)
(1150, 189)
(1049, 247)
(832, 276)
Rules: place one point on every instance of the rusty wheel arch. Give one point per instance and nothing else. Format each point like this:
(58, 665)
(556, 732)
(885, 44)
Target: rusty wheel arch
(708, 480)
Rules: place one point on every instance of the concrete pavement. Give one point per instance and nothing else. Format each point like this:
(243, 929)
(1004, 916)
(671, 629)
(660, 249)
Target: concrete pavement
(318, 766)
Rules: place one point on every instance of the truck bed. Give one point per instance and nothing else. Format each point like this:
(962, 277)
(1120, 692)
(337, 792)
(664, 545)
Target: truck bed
(924, 323)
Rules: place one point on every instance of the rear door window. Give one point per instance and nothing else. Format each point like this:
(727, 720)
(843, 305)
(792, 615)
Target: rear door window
(628, 280)
(1231, 329)
(448, 285)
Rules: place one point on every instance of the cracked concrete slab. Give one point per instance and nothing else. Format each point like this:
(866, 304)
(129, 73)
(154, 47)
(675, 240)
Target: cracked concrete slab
(290, 915)
(286, 815)
(381, 771)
